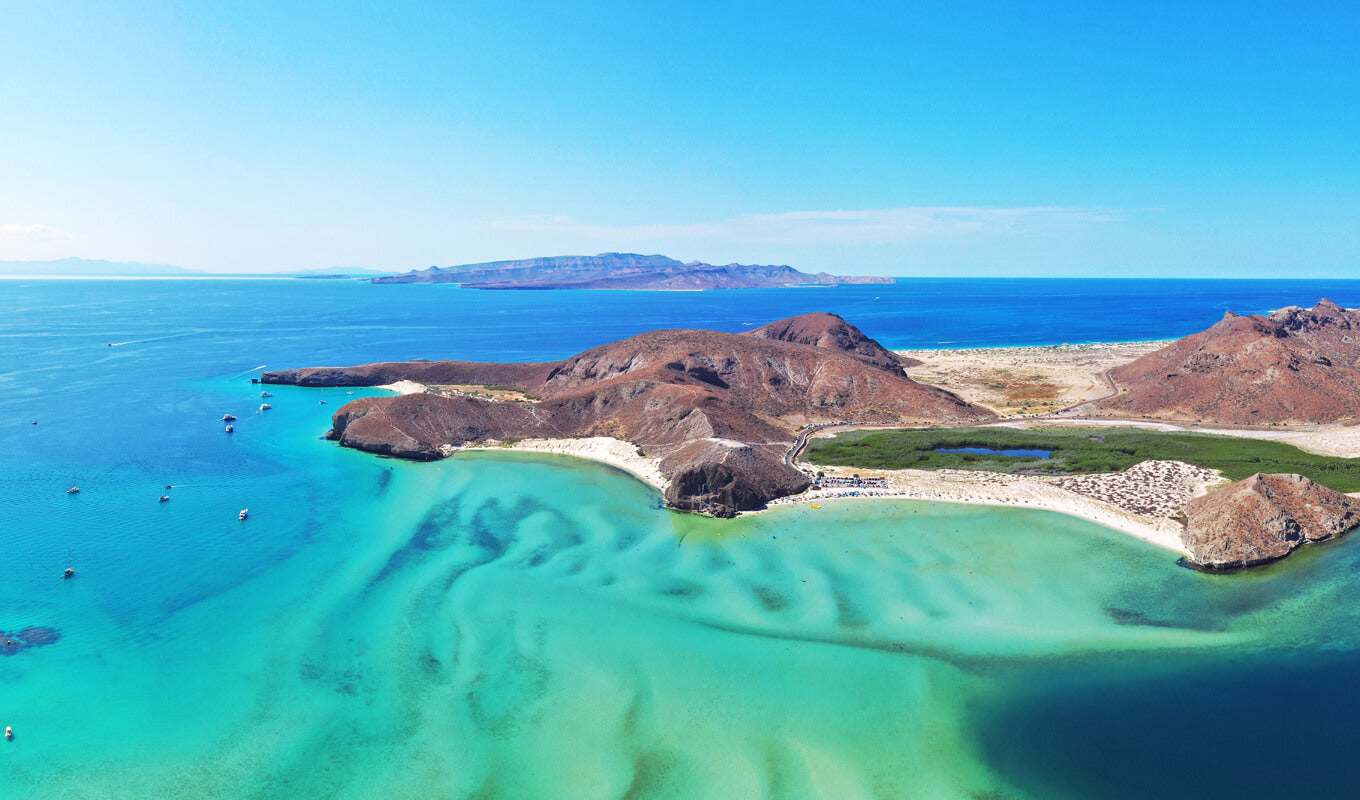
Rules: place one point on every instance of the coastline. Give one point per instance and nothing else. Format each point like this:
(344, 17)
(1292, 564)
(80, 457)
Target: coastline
(605, 449)
(952, 486)
(1072, 369)
(997, 489)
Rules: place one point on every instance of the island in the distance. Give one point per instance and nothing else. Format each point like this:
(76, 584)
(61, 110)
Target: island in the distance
(621, 271)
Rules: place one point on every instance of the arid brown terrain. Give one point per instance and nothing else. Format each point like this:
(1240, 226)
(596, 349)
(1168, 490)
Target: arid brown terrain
(1264, 518)
(1296, 365)
(1024, 381)
(718, 409)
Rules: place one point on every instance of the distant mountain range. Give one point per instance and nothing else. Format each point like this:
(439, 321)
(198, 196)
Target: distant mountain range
(620, 271)
(100, 267)
(89, 266)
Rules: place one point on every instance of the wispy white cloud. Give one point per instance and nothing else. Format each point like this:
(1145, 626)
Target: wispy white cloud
(840, 228)
(42, 233)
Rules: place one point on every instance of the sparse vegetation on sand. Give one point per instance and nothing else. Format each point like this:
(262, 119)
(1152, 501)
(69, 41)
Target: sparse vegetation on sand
(1078, 450)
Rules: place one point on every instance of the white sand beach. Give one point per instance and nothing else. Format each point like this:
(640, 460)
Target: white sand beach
(1142, 501)
(608, 450)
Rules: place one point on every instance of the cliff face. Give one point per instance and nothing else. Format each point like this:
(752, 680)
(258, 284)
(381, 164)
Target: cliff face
(1264, 518)
(718, 409)
(1295, 365)
(619, 271)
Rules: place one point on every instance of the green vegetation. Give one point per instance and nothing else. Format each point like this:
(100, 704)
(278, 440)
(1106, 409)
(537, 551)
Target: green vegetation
(1076, 450)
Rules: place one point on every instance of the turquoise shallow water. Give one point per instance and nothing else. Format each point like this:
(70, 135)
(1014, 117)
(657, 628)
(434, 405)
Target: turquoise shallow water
(514, 626)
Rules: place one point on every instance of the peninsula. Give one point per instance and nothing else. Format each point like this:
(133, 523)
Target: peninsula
(718, 411)
(717, 421)
(620, 271)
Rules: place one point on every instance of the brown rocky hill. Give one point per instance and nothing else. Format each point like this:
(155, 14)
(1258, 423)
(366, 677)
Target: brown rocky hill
(1264, 518)
(718, 409)
(830, 332)
(1294, 366)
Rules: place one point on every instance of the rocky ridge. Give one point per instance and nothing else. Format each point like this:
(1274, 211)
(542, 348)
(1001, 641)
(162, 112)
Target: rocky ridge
(1264, 518)
(1296, 365)
(718, 409)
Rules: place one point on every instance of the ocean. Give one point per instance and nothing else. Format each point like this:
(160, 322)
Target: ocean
(523, 626)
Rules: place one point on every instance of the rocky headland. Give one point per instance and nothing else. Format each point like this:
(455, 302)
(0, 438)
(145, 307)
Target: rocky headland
(620, 271)
(1296, 365)
(718, 411)
(1264, 518)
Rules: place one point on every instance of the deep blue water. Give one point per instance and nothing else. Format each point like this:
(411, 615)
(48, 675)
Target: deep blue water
(984, 451)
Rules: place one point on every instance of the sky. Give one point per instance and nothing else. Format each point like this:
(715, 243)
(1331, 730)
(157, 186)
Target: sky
(958, 139)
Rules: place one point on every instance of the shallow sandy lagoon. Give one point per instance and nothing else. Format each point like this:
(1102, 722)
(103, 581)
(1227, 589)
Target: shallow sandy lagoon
(525, 626)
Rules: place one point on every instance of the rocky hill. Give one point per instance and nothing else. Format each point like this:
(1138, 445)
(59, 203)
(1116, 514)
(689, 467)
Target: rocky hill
(718, 409)
(1264, 518)
(1294, 366)
(619, 271)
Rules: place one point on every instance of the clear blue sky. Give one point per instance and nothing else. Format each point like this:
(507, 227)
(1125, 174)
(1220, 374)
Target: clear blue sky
(896, 138)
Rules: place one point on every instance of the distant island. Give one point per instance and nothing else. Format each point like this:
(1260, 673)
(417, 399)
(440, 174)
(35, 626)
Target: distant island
(621, 271)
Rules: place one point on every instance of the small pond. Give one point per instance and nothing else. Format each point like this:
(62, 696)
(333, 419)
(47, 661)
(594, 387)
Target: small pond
(984, 451)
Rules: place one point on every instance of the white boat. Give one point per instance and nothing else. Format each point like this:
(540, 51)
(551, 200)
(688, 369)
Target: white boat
(245, 512)
(266, 394)
(73, 490)
(265, 406)
(228, 418)
(231, 428)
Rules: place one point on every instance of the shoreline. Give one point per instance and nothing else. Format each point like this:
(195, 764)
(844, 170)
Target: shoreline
(1094, 498)
(1002, 490)
(604, 449)
(949, 486)
(945, 486)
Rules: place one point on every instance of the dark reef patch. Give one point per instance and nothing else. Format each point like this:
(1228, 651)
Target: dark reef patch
(32, 636)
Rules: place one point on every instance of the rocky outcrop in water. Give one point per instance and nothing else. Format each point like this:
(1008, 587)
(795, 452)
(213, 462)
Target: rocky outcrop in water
(1296, 365)
(1264, 518)
(718, 410)
(620, 271)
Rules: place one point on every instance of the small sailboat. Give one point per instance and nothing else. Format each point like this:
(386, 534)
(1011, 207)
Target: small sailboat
(231, 429)
(69, 573)
(265, 406)
(266, 394)
(73, 490)
(165, 498)
(228, 418)
(245, 514)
